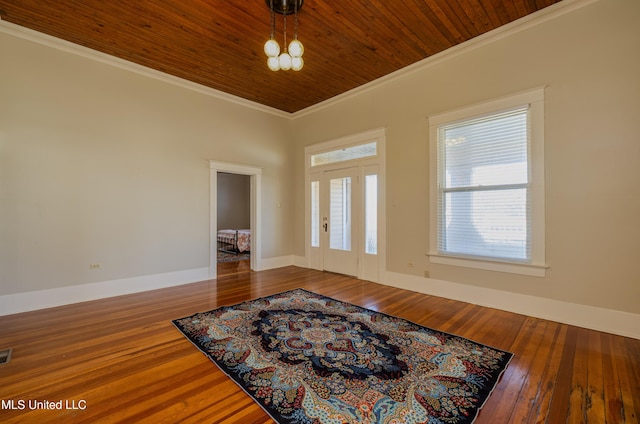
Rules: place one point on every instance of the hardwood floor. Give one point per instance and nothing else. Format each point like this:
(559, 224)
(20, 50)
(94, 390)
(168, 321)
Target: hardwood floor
(234, 267)
(122, 360)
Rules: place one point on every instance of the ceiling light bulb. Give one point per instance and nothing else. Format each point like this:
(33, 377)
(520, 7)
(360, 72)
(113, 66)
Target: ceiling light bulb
(297, 63)
(285, 61)
(296, 49)
(272, 48)
(273, 63)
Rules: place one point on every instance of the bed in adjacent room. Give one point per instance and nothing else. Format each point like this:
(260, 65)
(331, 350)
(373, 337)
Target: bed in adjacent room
(234, 241)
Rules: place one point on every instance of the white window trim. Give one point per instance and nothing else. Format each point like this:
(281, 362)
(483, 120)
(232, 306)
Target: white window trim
(535, 99)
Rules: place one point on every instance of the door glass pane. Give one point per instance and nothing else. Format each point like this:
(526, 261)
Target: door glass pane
(371, 214)
(315, 213)
(340, 214)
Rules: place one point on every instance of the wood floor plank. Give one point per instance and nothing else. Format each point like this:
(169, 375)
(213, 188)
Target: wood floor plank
(516, 376)
(612, 389)
(542, 369)
(579, 398)
(629, 377)
(595, 380)
(561, 399)
(552, 362)
(124, 358)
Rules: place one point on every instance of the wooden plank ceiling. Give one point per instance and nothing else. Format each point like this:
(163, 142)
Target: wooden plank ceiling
(219, 43)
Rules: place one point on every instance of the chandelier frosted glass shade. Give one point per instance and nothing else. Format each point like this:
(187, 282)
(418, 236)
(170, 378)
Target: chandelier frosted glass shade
(296, 49)
(297, 63)
(285, 61)
(273, 63)
(272, 48)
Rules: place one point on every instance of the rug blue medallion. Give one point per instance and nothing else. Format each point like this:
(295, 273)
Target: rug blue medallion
(306, 358)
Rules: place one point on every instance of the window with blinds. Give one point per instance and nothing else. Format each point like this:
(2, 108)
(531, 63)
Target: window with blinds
(487, 187)
(484, 187)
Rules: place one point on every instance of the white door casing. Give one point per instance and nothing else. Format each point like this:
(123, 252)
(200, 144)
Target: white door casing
(256, 211)
(368, 254)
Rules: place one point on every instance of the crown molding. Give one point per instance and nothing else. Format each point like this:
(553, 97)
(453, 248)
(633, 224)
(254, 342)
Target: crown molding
(548, 13)
(76, 49)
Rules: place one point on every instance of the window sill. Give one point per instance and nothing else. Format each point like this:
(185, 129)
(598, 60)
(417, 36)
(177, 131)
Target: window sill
(490, 265)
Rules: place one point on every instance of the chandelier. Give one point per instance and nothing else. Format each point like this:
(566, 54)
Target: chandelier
(291, 57)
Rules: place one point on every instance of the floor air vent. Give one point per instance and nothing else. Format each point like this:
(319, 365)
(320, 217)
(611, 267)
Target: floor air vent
(5, 356)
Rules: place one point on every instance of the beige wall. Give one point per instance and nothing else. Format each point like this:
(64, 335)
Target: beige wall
(589, 60)
(102, 165)
(234, 201)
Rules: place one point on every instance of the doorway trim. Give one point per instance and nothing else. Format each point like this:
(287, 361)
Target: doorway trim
(256, 208)
(379, 160)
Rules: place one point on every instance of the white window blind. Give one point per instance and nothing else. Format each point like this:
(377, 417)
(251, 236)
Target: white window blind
(340, 214)
(371, 214)
(484, 187)
(315, 213)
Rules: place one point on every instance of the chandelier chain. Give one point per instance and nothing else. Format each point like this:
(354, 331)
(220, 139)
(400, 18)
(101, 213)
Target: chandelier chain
(273, 20)
(295, 19)
(284, 30)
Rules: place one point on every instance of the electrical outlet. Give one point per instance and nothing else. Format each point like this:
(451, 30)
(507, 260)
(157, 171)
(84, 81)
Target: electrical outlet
(410, 265)
(426, 273)
(95, 266)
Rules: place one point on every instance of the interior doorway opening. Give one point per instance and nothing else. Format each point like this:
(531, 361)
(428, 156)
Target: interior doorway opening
(233, 224)
(234, 241)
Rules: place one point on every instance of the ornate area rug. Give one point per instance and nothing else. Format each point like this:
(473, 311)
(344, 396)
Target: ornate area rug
(307, 358)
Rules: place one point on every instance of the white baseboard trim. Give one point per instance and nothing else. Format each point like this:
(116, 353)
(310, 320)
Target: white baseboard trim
(30, 301)
(277, 262)
(41, 299)
(607, 320)
(300, 261)
(610, 321)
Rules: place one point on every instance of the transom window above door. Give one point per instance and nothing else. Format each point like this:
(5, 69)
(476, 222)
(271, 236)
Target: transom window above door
(360, 151)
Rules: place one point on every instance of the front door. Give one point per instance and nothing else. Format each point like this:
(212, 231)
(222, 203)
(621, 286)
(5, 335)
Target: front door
(339, 223)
